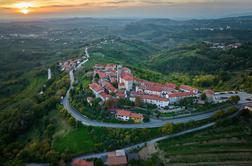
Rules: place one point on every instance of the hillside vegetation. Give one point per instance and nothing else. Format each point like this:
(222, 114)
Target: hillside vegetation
(160, 50)
(228, 143)
(201, 59)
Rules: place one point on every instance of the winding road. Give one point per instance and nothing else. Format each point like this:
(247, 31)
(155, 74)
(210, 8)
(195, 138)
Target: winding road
(153, 141)
(140, 145)
(152, 124)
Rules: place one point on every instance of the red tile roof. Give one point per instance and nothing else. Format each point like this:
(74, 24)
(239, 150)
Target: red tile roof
(110, 66)
(95, 87)
(153, 97)
(149, 84)
(112, 71)
(125, 69)
(109, 87)
(120, 112)
(120, 94)
(104, 95)
(112, 79)
(127, 76)
(116, 160)
(171, 85)
(186, 87)
(101, 74)
(157, 87)
(133, 93)
(99, 66)
(82, 163)
(152, 88)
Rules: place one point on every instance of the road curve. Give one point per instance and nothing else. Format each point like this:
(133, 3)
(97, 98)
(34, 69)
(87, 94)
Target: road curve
(140, 145)
(153, 141)
(152, 124)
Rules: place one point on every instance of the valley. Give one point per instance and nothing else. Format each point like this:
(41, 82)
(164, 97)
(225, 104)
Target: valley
(51, 121)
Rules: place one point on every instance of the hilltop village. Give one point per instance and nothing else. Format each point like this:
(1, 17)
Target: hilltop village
(111, 81)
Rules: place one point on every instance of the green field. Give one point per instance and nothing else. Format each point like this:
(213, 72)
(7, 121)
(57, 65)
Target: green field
(228, 142)
(76, 141)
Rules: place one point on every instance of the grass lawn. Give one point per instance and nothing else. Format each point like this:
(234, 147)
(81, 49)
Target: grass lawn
(76, 141)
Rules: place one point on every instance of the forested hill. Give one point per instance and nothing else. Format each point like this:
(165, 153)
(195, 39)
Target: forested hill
(169, 33)
(202, 59)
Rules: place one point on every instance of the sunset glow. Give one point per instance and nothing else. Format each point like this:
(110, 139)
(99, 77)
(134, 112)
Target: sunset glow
(23, 7)
(123, 8)
(24, 11)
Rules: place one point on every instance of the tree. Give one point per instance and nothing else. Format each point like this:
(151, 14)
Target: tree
(71, 121)
(98, 162)
(97, 76)
(232, 110)
(234, 99)
(167, 128)
(187, 102)
(146, 119)
(218, 115)
(203, 97)
(109, 104)
(138, 101)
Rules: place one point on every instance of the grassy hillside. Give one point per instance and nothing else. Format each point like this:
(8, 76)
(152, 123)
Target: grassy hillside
(207, 68)
(124, 51)
(201, 59)
(228, 143)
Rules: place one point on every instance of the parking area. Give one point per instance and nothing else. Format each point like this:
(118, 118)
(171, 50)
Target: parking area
(224, 96)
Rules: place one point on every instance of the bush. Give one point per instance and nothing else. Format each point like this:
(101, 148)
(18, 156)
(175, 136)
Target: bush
(167, 128)
(218, 115)
(234, 99)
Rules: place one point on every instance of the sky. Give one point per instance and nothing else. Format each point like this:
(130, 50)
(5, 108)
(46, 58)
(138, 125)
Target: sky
(180, 9)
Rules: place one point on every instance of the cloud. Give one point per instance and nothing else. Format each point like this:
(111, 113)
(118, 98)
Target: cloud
(74, 3)
(128, 7)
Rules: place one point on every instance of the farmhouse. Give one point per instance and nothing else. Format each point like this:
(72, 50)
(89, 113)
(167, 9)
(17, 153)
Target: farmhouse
(117, 158)
(127, 115)
(82, 163)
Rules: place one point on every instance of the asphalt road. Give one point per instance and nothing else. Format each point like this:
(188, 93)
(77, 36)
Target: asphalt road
(140, 145)
(152, 124)
(153, 141)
